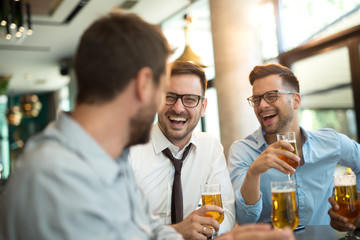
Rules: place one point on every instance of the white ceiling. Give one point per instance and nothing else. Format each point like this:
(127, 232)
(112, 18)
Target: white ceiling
(34, 62)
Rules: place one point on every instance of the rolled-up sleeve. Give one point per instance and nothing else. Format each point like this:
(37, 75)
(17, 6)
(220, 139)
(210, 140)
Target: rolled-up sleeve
(239, 162)
(247, 213)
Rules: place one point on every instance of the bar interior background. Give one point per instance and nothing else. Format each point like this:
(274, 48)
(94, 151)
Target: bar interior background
(319, 40)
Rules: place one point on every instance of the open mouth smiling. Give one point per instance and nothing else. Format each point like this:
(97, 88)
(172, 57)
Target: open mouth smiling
(268, 117)
(177, 120)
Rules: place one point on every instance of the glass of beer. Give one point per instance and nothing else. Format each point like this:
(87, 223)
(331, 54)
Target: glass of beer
(291, 138)
(211, 195)
(284, 206)
(347, 199)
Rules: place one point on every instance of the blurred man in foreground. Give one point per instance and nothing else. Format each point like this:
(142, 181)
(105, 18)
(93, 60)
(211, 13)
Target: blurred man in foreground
(204, 162)
(73, 180)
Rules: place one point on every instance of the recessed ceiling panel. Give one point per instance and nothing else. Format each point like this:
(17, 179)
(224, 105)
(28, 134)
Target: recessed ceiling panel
(44, 7)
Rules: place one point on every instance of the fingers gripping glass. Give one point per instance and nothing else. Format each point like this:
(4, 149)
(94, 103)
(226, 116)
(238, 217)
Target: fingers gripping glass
(269, 97)
(188, 100)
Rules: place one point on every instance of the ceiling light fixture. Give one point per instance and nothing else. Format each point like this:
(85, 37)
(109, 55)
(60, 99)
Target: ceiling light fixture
(12, 24)
(30, 105)
(14, 115)
(189, 55)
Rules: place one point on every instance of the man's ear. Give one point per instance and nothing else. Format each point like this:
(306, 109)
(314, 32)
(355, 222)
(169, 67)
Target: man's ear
(203, 107)
(144, 84)
(297, 100)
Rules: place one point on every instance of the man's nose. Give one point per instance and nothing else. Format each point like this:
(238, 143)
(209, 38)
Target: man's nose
(178, 106)
(263, 102)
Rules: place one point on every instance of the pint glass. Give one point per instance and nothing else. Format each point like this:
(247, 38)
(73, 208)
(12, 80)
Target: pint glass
(291, 138)
(211, 195)
(284, 206)
(346, 196)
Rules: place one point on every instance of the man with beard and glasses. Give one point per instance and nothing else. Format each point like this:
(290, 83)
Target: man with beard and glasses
(185, 103)
(254, 162)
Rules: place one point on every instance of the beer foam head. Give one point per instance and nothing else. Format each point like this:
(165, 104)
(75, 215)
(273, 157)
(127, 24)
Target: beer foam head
(345, 180)
(283, 186)
(210, 193)
(277, 190)
(286, 136)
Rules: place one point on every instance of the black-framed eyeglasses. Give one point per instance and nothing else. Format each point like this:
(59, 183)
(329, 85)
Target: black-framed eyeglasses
(269, 97)
(188, 100)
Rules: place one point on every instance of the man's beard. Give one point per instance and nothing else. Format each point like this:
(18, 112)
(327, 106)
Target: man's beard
(140, 125)
(283, 124)
(175, 137)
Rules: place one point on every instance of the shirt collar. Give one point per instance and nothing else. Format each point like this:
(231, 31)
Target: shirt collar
(78, 140)
(259, 138)
(160, 141)
(305, 134)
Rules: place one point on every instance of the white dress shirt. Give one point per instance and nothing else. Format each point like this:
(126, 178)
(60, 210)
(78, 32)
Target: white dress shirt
(205, 163)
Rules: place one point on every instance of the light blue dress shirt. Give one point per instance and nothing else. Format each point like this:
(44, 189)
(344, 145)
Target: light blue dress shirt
(67, 187)
(322, 151)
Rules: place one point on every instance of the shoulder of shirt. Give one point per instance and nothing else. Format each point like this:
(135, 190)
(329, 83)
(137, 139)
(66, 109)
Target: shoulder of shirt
(46, 151)
(204, 135)
(325, 134)
(251, 140)
(328, 136)
(205, 138)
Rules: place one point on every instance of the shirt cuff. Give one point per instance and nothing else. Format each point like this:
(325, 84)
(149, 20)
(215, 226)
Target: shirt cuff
(247, 213)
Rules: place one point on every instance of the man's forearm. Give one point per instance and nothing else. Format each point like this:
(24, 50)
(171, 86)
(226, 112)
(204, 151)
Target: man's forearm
(250, 189)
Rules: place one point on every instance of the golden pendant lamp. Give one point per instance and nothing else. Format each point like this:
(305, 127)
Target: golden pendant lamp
(189, 55)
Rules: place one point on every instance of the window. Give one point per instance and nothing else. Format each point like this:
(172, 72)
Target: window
(301, 21)
(327, 96)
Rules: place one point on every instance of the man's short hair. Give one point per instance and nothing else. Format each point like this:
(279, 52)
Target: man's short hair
(112, 51)
(288, 77)
(182, 67)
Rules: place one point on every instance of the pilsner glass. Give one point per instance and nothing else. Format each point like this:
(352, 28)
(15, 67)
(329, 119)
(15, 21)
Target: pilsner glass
(211, 195)
(284, 206)
(347, 199)
(291, 138)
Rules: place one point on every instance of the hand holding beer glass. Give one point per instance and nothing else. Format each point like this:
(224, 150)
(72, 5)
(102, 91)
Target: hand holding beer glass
(291, 138)
(211, 195)
(284, 206)
(346, 198)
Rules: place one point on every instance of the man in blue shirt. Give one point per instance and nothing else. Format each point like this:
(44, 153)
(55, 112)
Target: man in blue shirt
(254, 162)
(73, 180)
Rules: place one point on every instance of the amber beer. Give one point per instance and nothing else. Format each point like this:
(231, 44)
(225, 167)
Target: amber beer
(284, 207)
(291, 162)
(291, 138)
(346, 196)
(211, 195)
(213, 199)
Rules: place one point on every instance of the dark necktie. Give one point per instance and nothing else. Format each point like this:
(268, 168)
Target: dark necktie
(176, 196)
